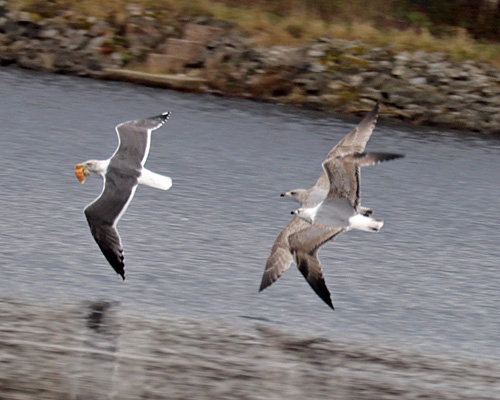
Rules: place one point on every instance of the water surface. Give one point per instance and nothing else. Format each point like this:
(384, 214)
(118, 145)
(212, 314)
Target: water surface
(428, 281)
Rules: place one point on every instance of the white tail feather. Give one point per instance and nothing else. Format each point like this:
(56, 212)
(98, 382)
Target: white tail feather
(364, 223)
(150, 178)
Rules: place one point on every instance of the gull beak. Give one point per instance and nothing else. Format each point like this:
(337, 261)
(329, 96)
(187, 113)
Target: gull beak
(81, 171)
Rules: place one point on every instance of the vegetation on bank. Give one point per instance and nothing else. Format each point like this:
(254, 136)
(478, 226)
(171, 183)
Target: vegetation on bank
(465, 29)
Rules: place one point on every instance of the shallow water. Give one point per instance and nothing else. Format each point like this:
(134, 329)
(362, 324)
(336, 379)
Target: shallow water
(429, 281)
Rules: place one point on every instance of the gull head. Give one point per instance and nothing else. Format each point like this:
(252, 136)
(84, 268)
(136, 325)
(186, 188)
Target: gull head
(299, 195)
(84, 169)
(306, 213)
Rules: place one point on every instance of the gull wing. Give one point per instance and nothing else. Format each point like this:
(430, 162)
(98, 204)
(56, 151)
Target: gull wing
(134, 140)
(108, 239)
(354, 142)
(344, 180)
(344, 174)
(281, 257)
(104, 213)
(305, 245)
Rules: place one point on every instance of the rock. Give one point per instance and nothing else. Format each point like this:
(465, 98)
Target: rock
(318, 68)
(336, 85)
(49, 33)
(495, 120)
(3, 8)
(418, 81)
(315, 53)
(75, 40)
(142, 33)
(402, 58)
(99, 28)
(324, 74)
(308, 85)
(400, 71)
(96, 44)
(355, 80)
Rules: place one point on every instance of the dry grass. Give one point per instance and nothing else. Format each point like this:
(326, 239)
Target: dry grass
(290, 22)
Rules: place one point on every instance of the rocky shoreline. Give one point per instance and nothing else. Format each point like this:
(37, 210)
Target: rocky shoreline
(203, 55)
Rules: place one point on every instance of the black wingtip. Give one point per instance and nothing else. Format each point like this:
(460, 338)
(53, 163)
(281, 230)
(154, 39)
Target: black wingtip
(164, 117)
(370, 158)
(265, 283)
(390, 156)
(327, 299)
(374, 112)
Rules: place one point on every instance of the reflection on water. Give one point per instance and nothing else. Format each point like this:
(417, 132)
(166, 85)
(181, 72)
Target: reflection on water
(97, 350)
(428, 281)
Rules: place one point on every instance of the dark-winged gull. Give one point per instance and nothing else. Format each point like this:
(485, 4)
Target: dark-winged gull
(301, 240)
(121, 174)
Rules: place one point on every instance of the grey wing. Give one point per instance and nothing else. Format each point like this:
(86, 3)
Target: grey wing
(312, 237)
(370, 158)
(146, 124)
(355, 141)
(344, 180)
(134, 139)
(310, 267)
(104, 213)
(344, 174)
(280, 257)
(153, 123)
(108, 239)
(305, 245)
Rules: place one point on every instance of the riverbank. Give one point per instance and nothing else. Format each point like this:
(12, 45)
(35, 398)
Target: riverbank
(204, 55)
(99, 350)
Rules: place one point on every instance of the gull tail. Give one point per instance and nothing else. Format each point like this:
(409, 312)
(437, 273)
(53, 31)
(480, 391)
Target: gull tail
(363, 223)
(150, 178)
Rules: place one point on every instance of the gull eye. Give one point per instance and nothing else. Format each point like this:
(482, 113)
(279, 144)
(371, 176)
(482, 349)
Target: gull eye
(293, 193)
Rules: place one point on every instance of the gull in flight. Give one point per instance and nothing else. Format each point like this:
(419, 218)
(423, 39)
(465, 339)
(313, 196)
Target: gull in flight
(121, 174)
(329, 208)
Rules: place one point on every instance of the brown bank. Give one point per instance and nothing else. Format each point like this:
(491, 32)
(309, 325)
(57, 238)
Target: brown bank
(211, 56)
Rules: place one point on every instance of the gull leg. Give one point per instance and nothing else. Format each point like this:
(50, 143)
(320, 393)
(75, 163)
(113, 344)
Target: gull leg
(150, 178)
